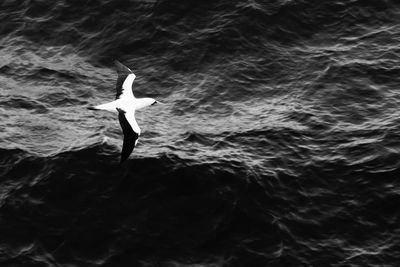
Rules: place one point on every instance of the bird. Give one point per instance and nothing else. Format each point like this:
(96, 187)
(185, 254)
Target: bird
(125, 105)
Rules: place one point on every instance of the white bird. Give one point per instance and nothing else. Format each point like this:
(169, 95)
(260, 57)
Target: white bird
(125, 104)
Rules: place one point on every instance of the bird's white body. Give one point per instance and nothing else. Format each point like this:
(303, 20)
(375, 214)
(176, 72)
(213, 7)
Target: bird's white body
(125, 106)
(129, 105)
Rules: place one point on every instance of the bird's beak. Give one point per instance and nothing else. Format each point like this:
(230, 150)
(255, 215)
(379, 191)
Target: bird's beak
(158, 102)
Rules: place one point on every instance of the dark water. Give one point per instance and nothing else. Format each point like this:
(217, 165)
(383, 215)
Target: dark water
(279, 144)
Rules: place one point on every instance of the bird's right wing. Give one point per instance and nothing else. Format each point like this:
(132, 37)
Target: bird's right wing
(131, 131)
(124, 81)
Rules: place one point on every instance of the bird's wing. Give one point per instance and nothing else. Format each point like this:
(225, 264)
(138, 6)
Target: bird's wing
(124, 81)
(131, 131)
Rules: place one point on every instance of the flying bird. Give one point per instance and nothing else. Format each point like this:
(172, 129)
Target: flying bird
(125, 105)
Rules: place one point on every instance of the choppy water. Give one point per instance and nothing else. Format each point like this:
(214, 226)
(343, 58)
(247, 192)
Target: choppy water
(278, 146)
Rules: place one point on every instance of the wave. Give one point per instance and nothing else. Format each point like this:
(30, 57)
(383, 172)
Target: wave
(99, 162)
(199, 31)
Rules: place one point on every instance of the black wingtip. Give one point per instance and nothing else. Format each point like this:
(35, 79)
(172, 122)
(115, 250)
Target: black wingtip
(121, 67)
(117, 62)
(122, 160)
(91, 108)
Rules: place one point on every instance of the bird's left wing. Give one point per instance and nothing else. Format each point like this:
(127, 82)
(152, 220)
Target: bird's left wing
(131, 131)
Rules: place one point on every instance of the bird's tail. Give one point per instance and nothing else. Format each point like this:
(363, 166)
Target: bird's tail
(108, 106)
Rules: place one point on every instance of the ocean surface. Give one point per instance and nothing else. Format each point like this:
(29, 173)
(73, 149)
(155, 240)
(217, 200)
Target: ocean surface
(279, 144)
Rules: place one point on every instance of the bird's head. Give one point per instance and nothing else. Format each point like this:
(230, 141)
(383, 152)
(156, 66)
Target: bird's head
(157, 102)
(145, 102)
